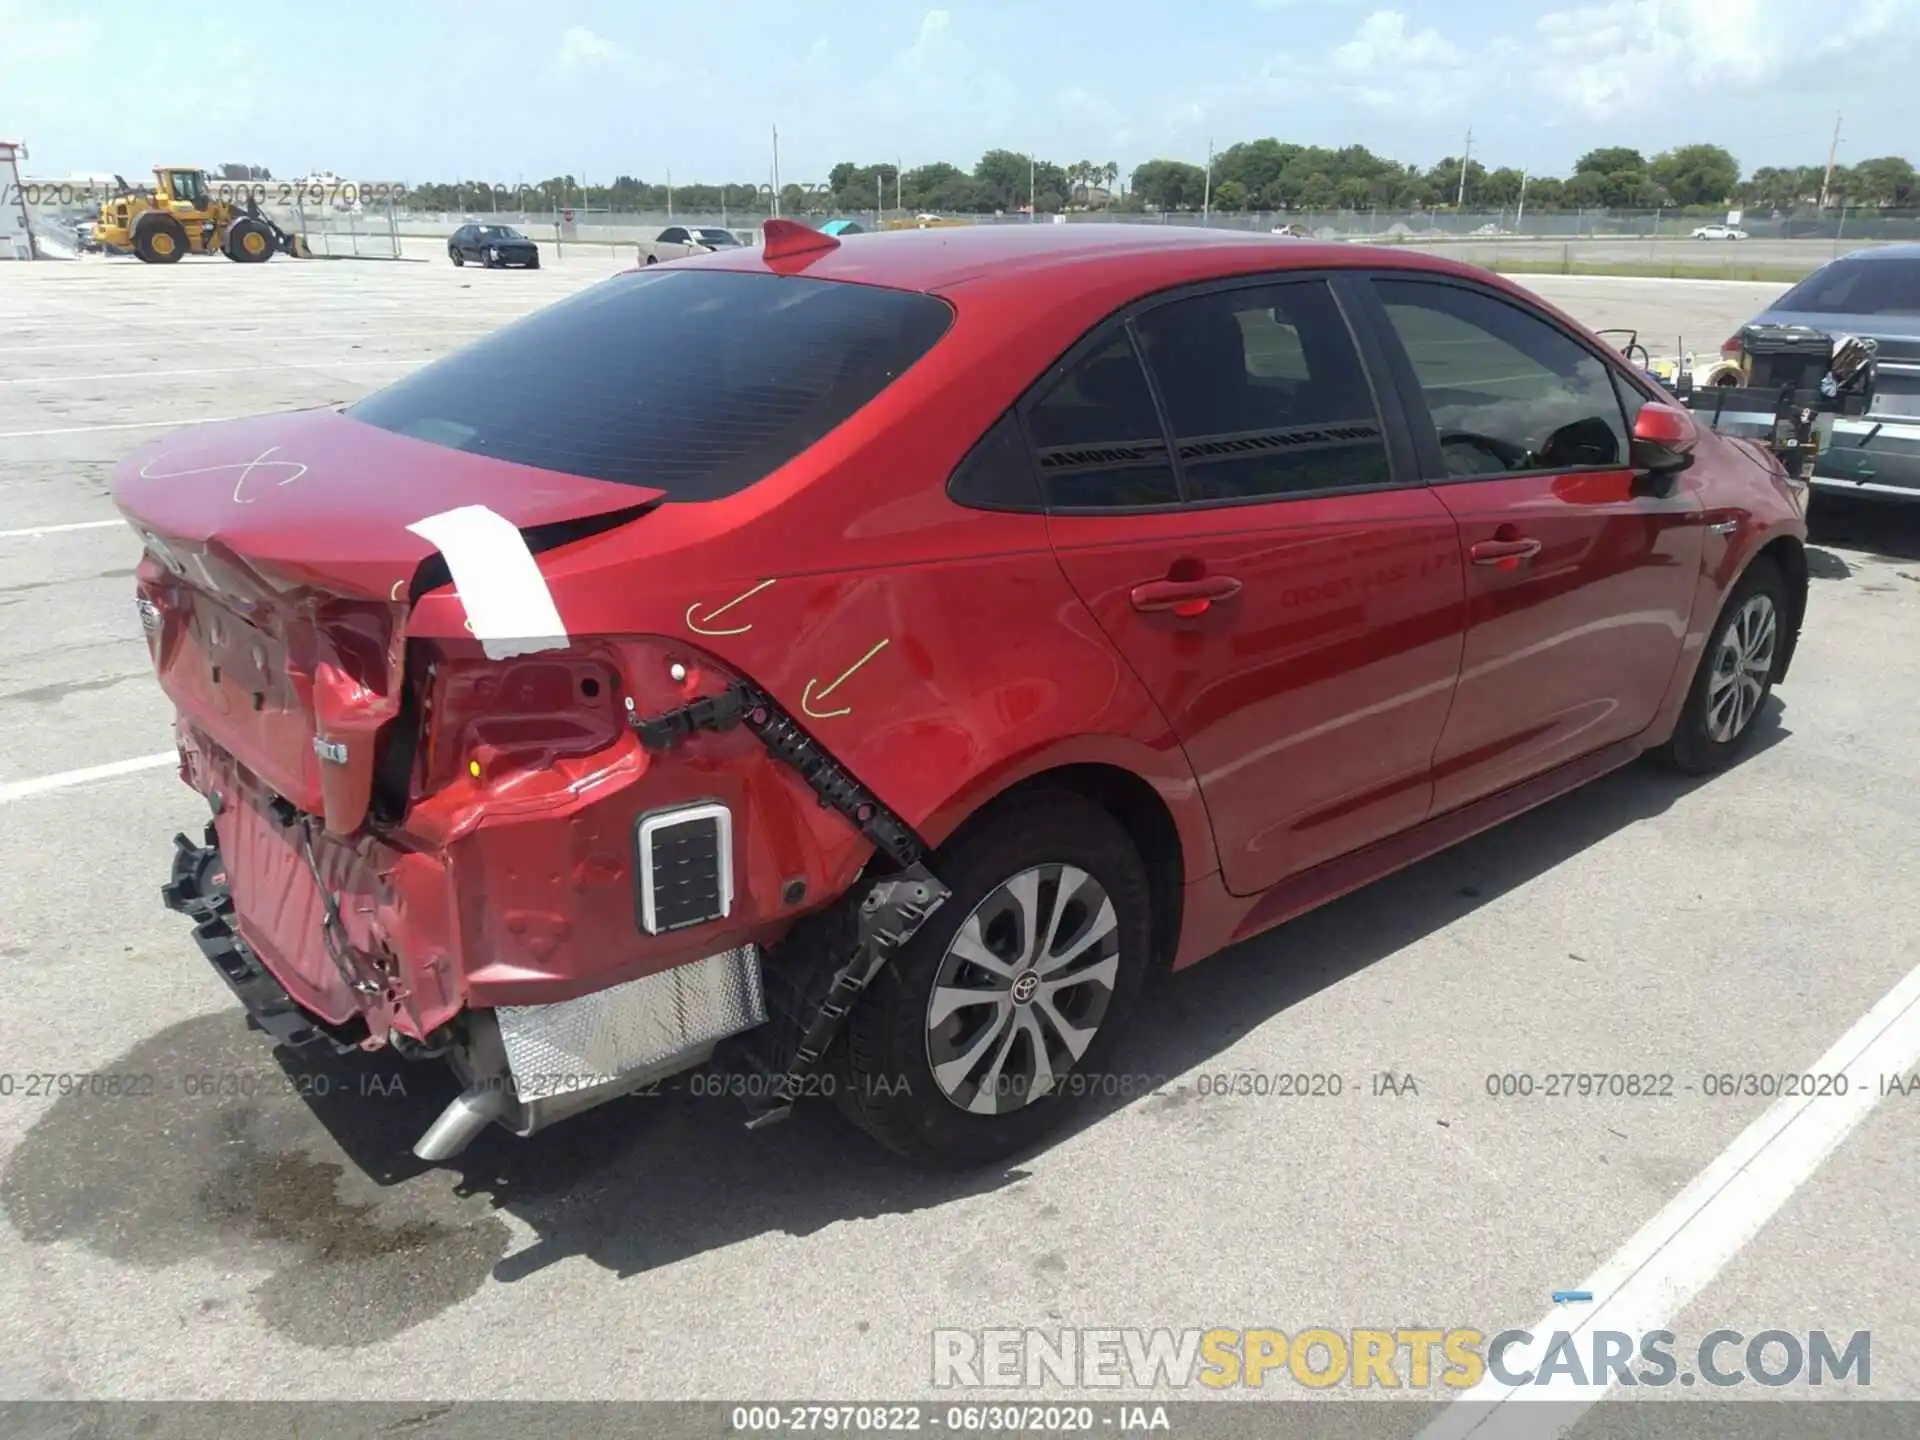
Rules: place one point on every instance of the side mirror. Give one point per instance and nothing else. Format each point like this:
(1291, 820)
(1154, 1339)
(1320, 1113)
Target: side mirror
(1664, 437)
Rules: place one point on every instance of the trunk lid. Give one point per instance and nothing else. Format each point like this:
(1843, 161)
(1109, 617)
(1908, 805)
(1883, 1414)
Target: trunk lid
(281, 570)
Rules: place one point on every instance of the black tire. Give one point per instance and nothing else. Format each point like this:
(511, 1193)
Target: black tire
(160, 241)
(653, 259)
(249, 242)
(534, 263)
(889, 1086)
(455, 256)
(1699, 746)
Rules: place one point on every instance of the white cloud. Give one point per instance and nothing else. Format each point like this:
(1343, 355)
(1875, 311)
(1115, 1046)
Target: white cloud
(583, 54)
(940, 76)
(1600, 58)
(1386, 65)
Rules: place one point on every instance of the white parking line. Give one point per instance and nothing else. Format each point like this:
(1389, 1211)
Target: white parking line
(20, 789)
(1678, 1252)
(125, 425)
(35, 531)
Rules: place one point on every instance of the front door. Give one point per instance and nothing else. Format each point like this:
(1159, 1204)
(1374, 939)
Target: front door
(1276, 575)
(1580, 576)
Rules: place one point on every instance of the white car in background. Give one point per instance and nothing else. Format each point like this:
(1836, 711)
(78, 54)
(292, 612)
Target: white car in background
(676, 242)
(1719, 232)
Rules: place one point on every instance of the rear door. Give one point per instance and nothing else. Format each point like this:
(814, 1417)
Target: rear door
(1227, 497)
(1580, 577)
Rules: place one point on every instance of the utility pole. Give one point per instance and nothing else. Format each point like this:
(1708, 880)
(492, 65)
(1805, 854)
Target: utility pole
(669, 192)
(899, 176)
(1206, 190)
(1460, 200)
(1520, 214)
(1033, 189)
(879, 197)
(776, 170)
(1833, 149)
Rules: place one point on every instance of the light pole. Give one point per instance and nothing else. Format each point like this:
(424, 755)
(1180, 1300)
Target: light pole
(1206, 191)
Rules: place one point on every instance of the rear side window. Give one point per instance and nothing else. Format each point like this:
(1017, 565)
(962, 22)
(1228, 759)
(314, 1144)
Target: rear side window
(1506, 391)
(1265, 393)
(1098, 436)
(1857, 287)
(693, 382)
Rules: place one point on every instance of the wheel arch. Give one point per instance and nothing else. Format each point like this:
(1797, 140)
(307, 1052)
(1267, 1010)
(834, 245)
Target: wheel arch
(1139, 810)
(1788, 554)
(1161, 812)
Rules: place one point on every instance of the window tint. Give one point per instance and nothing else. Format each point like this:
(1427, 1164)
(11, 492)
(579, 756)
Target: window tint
(1507, 391)
(1265, 393)
(997, 473)
(673, 235)
(1857, 287)
(1098, 435)
(693, 382)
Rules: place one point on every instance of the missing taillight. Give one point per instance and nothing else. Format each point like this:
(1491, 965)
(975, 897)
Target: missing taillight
(517, 715)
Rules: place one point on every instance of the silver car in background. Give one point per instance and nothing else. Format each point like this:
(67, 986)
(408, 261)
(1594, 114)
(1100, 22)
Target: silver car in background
(1874, 294)
(676, 242)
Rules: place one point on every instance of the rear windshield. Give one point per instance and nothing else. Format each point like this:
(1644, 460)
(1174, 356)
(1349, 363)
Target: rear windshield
(718, 237)
(693, 382)
(1857, 287)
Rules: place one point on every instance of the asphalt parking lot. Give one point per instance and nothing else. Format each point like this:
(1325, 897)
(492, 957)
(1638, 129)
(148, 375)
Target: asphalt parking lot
(258, 1242)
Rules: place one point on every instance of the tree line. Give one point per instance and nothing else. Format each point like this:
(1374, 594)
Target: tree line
(1264, 175)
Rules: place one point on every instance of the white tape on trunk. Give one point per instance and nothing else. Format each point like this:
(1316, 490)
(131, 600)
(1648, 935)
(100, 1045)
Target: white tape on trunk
(508, 604)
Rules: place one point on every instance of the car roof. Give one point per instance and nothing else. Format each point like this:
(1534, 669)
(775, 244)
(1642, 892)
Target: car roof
(1023, 255)
(1905, 251)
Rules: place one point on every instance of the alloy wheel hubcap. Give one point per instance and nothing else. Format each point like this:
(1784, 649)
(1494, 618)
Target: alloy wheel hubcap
(1742, 667)
(1022, 989)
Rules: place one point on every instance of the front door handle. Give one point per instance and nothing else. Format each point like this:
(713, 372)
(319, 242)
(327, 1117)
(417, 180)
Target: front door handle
(1185, 598)
(1505, 554)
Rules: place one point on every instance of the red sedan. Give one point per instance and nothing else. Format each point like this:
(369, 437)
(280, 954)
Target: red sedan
(854, 666)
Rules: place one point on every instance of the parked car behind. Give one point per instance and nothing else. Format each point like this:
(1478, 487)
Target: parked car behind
(1719, 232)
(1875, 294)
(676, 242)
(882, 657)
(493, 246)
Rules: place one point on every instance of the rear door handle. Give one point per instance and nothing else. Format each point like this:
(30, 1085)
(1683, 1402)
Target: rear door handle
(1186, 598)
(1504, 553)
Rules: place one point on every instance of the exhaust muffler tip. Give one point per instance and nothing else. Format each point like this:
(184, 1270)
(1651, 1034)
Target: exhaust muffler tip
(466, 1115)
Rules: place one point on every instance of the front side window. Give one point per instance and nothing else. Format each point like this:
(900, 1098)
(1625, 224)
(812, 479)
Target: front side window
(1097, 436)
(1506, 391)
(1265, 393)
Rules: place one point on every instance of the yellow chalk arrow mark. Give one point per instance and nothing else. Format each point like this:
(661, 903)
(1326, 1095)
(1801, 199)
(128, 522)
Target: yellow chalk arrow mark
(705, 620)
(807, 696)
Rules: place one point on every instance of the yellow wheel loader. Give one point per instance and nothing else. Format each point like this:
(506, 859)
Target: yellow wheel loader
(179, 216)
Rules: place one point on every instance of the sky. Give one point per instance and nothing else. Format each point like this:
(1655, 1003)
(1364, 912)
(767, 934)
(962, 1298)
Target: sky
(402, 90)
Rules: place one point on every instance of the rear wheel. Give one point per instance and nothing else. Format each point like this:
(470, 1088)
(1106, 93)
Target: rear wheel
(455, 256)
(1003, 1012)
(160, 241)
(1735, 676)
